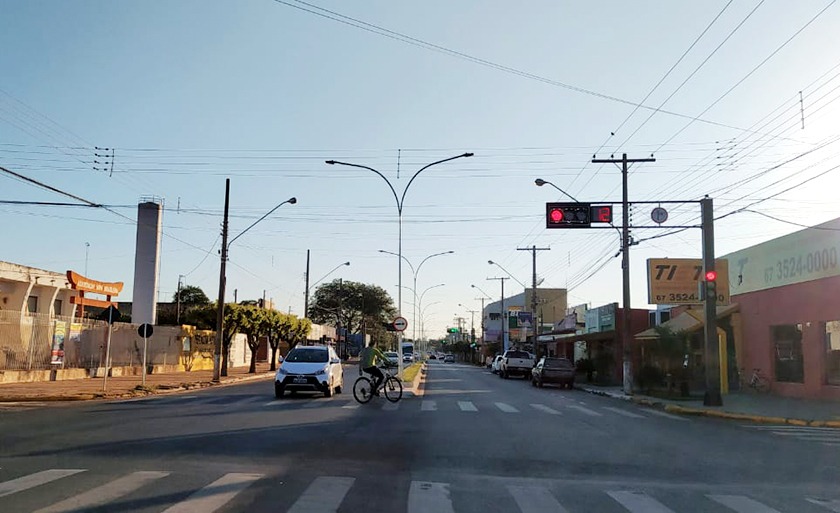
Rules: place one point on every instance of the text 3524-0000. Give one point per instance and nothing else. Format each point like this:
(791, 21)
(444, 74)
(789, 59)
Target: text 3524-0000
(802, 265)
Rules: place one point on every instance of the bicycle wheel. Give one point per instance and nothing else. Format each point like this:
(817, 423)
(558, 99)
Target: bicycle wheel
(393, 389)
(761, 384)
(362, 389)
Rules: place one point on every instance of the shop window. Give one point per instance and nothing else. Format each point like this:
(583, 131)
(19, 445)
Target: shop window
(787, 343)
(832, 352)
(32, 304)
(665, 316)
(57, 306)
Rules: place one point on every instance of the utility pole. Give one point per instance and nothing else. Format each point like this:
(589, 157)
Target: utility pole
(626, 336)
(504, 317)
(178, 303)
(220, 314)
(712, 396)
(533, 250)
(306, 291)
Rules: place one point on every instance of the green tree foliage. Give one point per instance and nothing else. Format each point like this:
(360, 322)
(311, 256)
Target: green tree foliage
(253, 325)
(191, 295)
(277, 327)
(354, 305)
(300, 330)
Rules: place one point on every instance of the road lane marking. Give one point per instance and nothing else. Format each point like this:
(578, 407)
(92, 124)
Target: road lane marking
(791, 428)
(742, 504)
(506, 408)
(426, 497)
(276, 402)
(216, 494)
(545, 409)
(37, 479)
(624, 412)
(665, 415)
(638, 502)
(833, 505)
(316, 403)
(467, 406)
(324, 495)
(533, 499)
(585, 410)
(350, 406)
(389, 406)
(428, 405)
(105, 493)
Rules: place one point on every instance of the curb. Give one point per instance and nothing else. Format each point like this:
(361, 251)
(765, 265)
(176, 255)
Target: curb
(418, 388)
(700, 412)
(137, 392)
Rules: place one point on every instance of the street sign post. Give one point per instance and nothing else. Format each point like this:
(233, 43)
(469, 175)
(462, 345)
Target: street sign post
(400, 324)
(676, 281)
(145, 330)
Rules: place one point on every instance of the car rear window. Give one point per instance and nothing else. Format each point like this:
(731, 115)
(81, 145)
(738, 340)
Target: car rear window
(558, 363)
(517, 354)
(307, 355)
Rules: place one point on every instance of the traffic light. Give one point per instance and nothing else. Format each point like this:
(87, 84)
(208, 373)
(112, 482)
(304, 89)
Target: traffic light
(576, 215)
(452, 330)
(711, 284)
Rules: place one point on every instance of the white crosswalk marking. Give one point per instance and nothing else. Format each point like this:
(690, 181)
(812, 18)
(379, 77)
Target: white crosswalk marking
(37, 479)
(277, 402)
(828, 436)
(324, 495)
(389, 406)
(426, 497)
(545, 409)
(832, 505)
(315, 404)
(105, 493)
(428, 405)
(665, 415)
(350, 406)
(506, 408)
(624, 412)
(215, 495)
(742, 504)
(467, 406)
(532, 499)
(585, 410)
(638, 502)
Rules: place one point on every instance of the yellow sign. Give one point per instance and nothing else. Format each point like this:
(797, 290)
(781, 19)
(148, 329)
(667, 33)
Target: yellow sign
(676, 281)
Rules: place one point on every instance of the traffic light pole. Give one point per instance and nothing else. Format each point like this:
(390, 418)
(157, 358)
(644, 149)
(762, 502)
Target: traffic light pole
(626, 336)
(712, 397)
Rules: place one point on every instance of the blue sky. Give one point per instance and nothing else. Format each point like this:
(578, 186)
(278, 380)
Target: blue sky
(188, 93)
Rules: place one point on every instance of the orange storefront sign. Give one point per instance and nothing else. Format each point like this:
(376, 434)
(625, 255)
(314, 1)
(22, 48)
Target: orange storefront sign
(83, 284)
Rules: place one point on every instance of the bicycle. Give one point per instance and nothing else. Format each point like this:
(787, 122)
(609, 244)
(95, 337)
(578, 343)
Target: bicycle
(757, 382)
(363, 388)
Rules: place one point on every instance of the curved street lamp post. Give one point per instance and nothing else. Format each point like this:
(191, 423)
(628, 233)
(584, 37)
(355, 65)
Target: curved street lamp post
(400, 200)
(306, 299)
(220, 314)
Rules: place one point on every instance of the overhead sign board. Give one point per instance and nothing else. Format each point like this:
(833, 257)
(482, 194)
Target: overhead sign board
(83, 284)
(675, 281)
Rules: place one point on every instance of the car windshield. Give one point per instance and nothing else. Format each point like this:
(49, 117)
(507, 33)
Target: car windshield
(517, 354)
(558, 363)
(307, 356)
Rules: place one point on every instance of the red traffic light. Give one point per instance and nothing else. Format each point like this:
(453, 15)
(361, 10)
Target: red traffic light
(711, 275)
(556, 215)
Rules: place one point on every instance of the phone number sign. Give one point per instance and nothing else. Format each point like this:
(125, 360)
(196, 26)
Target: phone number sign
(676, 281)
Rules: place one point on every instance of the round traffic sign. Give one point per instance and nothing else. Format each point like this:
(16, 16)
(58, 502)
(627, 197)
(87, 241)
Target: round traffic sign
(659, 215)
(145, 330)
(400, 324)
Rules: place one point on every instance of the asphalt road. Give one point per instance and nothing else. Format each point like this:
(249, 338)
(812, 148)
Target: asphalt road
(474, 443)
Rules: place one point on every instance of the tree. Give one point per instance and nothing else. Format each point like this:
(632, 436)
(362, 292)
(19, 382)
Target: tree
(278, 327)
(253, 325)
(299, 331)
(233, 323)
(351, 304)
(191, 295)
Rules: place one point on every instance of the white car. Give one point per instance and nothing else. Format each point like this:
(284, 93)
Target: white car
(494, 367)
(392, 357)
(408, 358)
(310, 368)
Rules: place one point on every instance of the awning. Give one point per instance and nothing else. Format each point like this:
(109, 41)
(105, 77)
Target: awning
(688, 321)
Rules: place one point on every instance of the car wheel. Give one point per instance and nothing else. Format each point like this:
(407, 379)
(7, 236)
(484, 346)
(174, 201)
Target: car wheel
(278, 391)
(338, 389)
(329, 391)
(540, 383)
(533, 382)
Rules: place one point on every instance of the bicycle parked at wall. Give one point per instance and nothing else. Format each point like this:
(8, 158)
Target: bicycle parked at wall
(363, 389)
(757, 382)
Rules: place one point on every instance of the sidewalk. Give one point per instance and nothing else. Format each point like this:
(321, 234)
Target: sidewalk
(123, 386)
(764, 408)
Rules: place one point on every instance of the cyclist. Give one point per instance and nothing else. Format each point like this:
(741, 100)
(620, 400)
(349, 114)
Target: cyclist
(370, 356)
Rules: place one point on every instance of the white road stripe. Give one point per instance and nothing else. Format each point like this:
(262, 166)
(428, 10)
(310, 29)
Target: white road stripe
(532, 499)
(665, 415)
(324, 495)
(277, 402)
(638, 502)
(742, 504)
(506, 408)
(545, 409)
(37, 479)
(215, 495)
(833, 505)
(389, 406)
(426, 497)
(105, 493)
(315, 404)
(428, 405)
(832, 444)
(467, 406)
(624, 412)
(585, 410)
(350, 406)
(790, 428)
(828, 437)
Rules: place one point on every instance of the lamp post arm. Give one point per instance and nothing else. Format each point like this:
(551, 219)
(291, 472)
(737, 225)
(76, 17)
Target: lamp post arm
(393, 191)
(406, 260)
(427, 166)
(290, 200)
(430, 256)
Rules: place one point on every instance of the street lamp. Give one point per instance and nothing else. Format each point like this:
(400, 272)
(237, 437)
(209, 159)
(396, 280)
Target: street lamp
(400, 203)
(306, 299)
(507, 272)
(218, 371)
